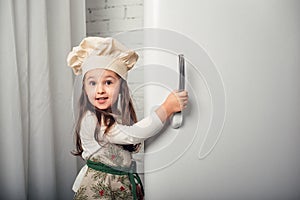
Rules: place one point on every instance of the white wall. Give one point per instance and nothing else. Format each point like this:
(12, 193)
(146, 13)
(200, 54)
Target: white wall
(108, 17)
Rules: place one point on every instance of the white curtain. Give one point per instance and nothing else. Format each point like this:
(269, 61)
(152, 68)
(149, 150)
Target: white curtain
(36, 121)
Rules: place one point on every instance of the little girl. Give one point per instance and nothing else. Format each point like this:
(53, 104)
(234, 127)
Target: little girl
(107, 131)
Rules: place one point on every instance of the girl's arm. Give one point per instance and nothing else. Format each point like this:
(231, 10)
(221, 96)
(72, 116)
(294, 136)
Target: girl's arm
(151, 125)
(138, 132)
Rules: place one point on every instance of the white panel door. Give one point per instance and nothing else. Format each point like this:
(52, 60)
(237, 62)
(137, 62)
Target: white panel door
(241, 133)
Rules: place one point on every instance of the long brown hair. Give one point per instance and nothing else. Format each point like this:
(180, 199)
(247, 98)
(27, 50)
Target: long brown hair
(126, 113)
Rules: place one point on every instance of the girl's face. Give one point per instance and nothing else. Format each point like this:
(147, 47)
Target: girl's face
(102, 87)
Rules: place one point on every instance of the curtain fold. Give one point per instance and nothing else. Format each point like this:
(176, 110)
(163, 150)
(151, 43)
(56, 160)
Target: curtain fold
(13, 172)
(36, 121)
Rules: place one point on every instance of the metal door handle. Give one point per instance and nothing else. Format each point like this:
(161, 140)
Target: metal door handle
(181, 72)
(177, 118)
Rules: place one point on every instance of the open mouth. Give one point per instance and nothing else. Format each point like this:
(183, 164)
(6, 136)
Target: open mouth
(101, 98)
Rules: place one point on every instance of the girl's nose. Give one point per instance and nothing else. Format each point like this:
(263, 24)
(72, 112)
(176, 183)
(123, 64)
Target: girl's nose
(100, 89)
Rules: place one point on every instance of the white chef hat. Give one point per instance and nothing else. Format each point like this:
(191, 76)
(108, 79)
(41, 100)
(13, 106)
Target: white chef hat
(104, 53)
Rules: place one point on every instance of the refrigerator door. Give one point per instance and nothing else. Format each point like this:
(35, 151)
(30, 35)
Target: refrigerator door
(240, 135)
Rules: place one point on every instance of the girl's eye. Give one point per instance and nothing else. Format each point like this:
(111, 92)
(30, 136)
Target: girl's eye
(108, 82)
(92, 83)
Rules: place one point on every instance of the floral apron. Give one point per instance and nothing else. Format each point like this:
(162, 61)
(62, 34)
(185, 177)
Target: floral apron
(110, 176)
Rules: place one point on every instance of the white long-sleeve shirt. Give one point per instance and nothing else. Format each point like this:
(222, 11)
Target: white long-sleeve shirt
(118, 134)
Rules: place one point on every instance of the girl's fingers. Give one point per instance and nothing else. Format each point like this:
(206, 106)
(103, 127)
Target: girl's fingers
(183, 94)
(182, 98)
(183, 104)
(182, 107)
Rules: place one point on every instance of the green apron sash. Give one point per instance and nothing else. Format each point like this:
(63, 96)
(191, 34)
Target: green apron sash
(133, 177)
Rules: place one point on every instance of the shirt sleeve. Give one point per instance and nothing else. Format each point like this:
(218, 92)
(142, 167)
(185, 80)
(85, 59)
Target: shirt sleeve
(88, 142)
(118, 134)
(136, 133)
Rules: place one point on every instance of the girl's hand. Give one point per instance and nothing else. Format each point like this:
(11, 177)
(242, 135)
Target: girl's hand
(175, 102)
